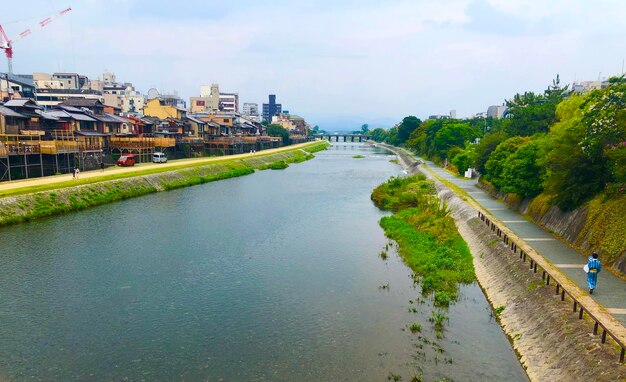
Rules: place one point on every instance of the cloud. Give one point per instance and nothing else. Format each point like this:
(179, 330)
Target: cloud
(326, 59)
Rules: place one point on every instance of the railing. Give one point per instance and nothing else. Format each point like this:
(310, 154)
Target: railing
(19, 147)
(582, 302)
(141, 143)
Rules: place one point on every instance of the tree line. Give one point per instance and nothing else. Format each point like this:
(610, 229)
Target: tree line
(568, 146)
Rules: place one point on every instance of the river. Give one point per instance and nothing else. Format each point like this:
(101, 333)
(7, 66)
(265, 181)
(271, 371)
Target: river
(269, 277)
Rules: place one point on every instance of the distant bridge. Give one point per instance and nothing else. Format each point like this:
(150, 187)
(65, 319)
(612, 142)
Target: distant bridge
(351, 137)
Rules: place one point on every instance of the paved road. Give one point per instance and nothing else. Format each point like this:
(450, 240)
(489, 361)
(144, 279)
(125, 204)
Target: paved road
(139, 167)
(611, 291)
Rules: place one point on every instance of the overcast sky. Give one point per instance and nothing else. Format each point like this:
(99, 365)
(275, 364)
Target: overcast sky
(334, 62)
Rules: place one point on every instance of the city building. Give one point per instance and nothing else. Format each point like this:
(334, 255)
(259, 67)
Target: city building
(212, 101)
(497, 111)
(251, 111)
(271, 109)
(165, 107)
(229, 102)
(52, 89)
(121, 95)
(586, 86)
(16, 86)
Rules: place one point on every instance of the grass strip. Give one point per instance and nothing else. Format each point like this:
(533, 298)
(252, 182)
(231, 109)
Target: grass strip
(427, 237)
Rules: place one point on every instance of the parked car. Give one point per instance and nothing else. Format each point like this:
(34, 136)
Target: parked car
(159, 157)
(126, 160)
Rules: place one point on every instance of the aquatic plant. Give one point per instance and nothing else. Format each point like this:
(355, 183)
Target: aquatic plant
(438, 319)
(383, 255)
(358, 156)
(499, 310)
(426, 235)
(415, 327)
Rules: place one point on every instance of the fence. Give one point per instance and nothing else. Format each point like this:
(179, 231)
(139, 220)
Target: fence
(582, 303)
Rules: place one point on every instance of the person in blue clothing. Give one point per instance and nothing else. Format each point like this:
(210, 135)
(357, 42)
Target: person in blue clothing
(594, 268)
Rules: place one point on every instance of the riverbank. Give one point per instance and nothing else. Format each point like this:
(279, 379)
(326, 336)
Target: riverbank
(552, 343)
(50, 197)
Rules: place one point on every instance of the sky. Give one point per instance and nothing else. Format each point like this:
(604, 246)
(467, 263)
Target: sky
(338, 63)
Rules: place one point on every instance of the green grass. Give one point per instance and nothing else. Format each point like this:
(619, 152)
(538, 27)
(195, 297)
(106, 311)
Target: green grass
(428, 240)
(280, 165)
(296, 152)
(358, 156)
(111, 188)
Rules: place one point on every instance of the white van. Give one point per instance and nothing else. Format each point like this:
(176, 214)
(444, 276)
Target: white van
(159, 157)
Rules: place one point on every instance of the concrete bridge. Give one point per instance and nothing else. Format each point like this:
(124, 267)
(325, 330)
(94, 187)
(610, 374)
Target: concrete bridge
(346, 137)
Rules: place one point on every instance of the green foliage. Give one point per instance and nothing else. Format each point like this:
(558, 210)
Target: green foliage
(498, 311)
(496, 163)
(358, 156)
(378, 134)
(280, 165)
(522, 174)
(442, 299)
(392, 136)
(605, 226)
(427, 237)
(464, 159)
(78, 196)
(415, 327)
(483, 150)
(531, 113)
(438, 139)
(408, 125)
(275, 130)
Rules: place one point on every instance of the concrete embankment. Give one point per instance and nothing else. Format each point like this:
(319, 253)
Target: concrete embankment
(553, 344)
(21, 208)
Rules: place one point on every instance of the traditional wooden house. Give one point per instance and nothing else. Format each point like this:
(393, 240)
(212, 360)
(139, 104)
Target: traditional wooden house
(94, 105)
(11, 122)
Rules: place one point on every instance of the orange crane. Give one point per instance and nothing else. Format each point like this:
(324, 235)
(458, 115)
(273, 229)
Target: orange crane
(7, 44)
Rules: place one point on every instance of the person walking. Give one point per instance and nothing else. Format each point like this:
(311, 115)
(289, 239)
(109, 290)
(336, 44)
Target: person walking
(594, 267)
(77, 172)
(102, 166)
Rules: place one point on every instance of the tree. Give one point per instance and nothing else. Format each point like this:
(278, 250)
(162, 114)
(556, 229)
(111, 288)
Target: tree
(464, 159)
(495, 164)
(408, 125)
(365, 128)
(275, 130)
(531, 113)
(392, 136)
(521, 173)
(453, 134)
(484, 149)
(378, 134)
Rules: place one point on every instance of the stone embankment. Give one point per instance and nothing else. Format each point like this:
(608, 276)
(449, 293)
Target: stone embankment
(21, 208)
(552, 343)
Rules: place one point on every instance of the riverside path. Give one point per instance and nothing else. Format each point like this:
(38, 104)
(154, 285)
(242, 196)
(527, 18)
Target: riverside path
(63, 180)
(611, 292)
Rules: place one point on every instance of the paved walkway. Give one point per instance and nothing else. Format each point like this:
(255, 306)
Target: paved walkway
(4, 186)
(611, 291)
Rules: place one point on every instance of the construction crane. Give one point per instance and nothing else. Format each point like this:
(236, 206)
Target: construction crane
(7, 44)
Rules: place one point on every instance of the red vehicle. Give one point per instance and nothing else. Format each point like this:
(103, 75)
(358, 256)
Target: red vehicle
(126, 160)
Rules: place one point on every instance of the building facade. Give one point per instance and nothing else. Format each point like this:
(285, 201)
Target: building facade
(271, 108)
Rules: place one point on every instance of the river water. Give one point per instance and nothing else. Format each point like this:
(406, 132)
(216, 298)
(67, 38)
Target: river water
(269, 277)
